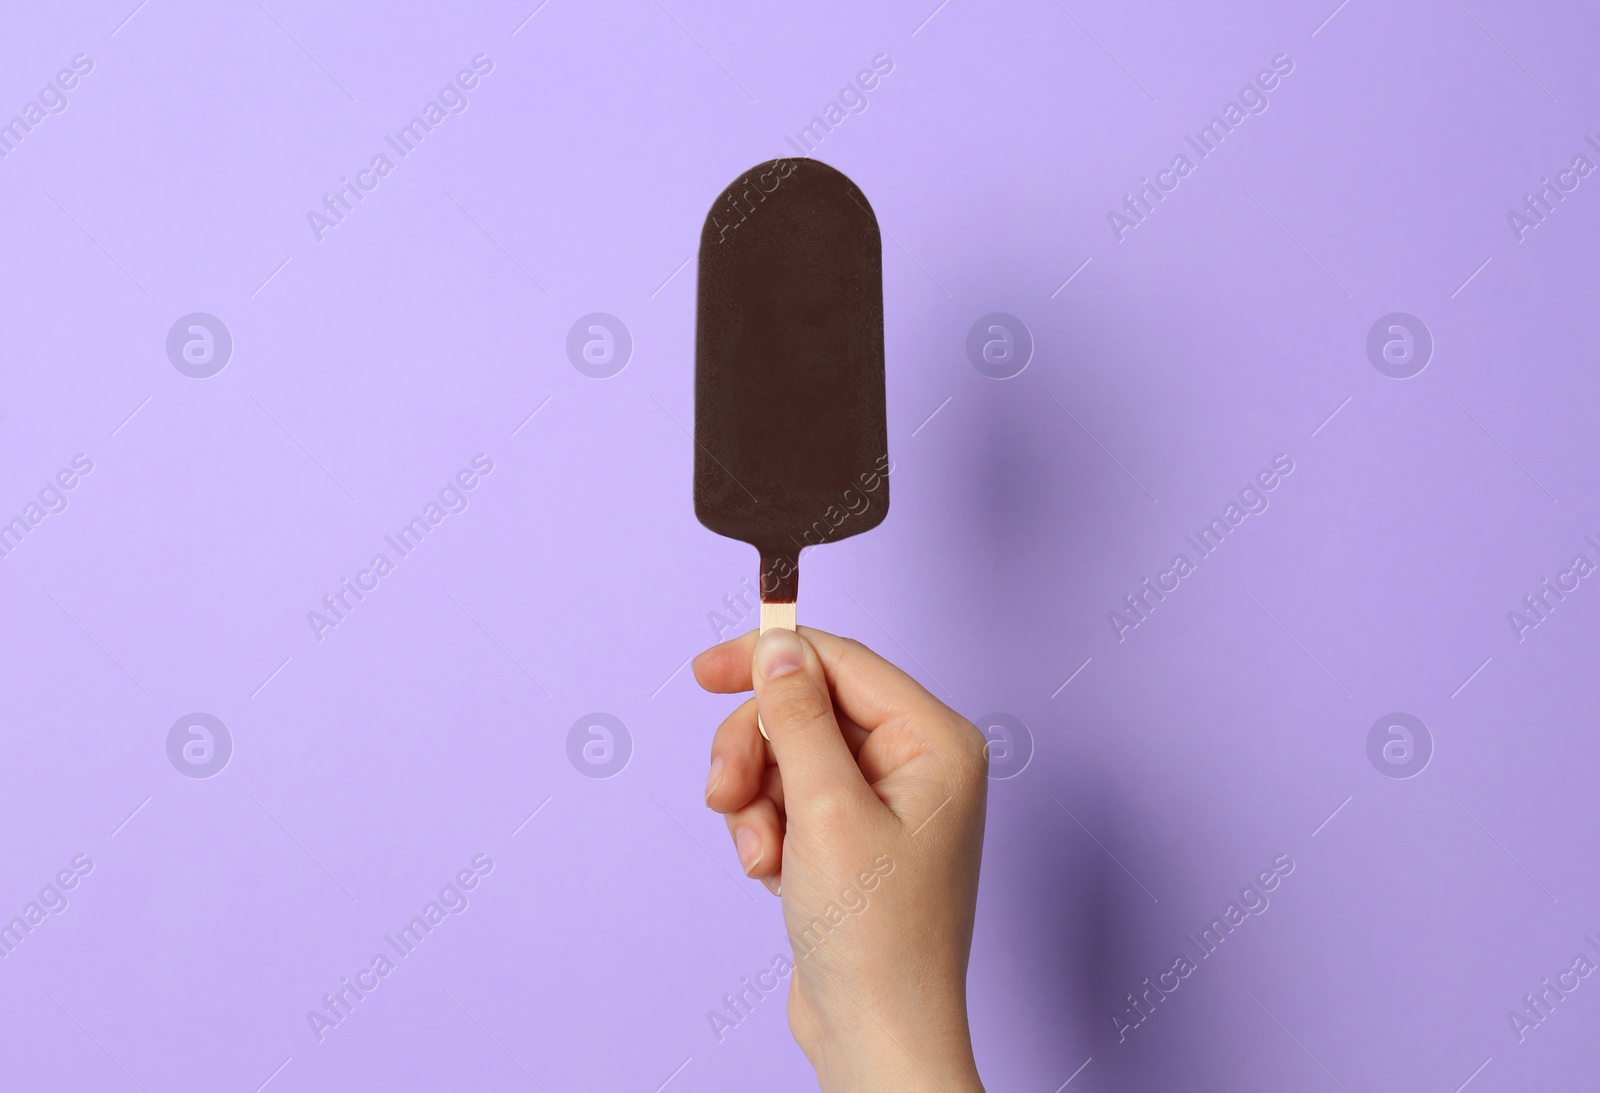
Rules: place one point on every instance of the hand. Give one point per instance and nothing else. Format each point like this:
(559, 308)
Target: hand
(865, 812)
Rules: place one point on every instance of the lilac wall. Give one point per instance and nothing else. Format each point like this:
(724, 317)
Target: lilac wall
(248, 402)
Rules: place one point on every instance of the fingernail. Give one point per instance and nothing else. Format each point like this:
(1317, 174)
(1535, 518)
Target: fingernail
(714, 778)
(774, 885)
(748, 844)
(779, 652)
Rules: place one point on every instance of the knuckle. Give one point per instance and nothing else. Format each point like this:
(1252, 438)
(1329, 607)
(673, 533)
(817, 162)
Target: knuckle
(971, 754)
(850, 650)
(978, 748)
(797, 705)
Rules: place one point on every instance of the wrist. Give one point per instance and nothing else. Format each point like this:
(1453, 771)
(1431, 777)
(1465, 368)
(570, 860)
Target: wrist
(936, 1060)
(897, 1072)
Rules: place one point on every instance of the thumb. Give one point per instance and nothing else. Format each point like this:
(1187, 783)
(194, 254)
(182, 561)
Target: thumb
(797, 713)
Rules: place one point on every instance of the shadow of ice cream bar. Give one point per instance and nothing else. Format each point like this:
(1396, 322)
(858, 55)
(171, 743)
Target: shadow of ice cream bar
(789, 415)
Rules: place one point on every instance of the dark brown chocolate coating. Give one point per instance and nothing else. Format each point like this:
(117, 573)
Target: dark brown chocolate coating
(791, 436)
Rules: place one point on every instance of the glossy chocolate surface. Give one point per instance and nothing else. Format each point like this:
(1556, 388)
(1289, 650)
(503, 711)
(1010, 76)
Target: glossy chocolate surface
(791, 438)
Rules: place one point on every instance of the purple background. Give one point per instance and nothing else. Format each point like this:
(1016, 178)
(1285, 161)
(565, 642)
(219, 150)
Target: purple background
(370, 766)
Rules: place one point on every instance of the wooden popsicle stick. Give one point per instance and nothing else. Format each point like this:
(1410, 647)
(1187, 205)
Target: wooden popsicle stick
(777, 615)
(774, 616)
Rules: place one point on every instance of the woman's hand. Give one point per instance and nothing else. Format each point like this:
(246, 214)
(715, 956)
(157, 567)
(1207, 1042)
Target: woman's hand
(865, 812)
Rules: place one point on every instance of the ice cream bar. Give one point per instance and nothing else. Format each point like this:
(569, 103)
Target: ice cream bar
(791, 439)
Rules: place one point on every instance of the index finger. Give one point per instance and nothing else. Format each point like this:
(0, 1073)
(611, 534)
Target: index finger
(725, 669)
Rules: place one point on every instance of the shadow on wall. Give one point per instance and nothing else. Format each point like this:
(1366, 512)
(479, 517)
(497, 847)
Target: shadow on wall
(1033, 506)
(1067, 935)
(1055, 926)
